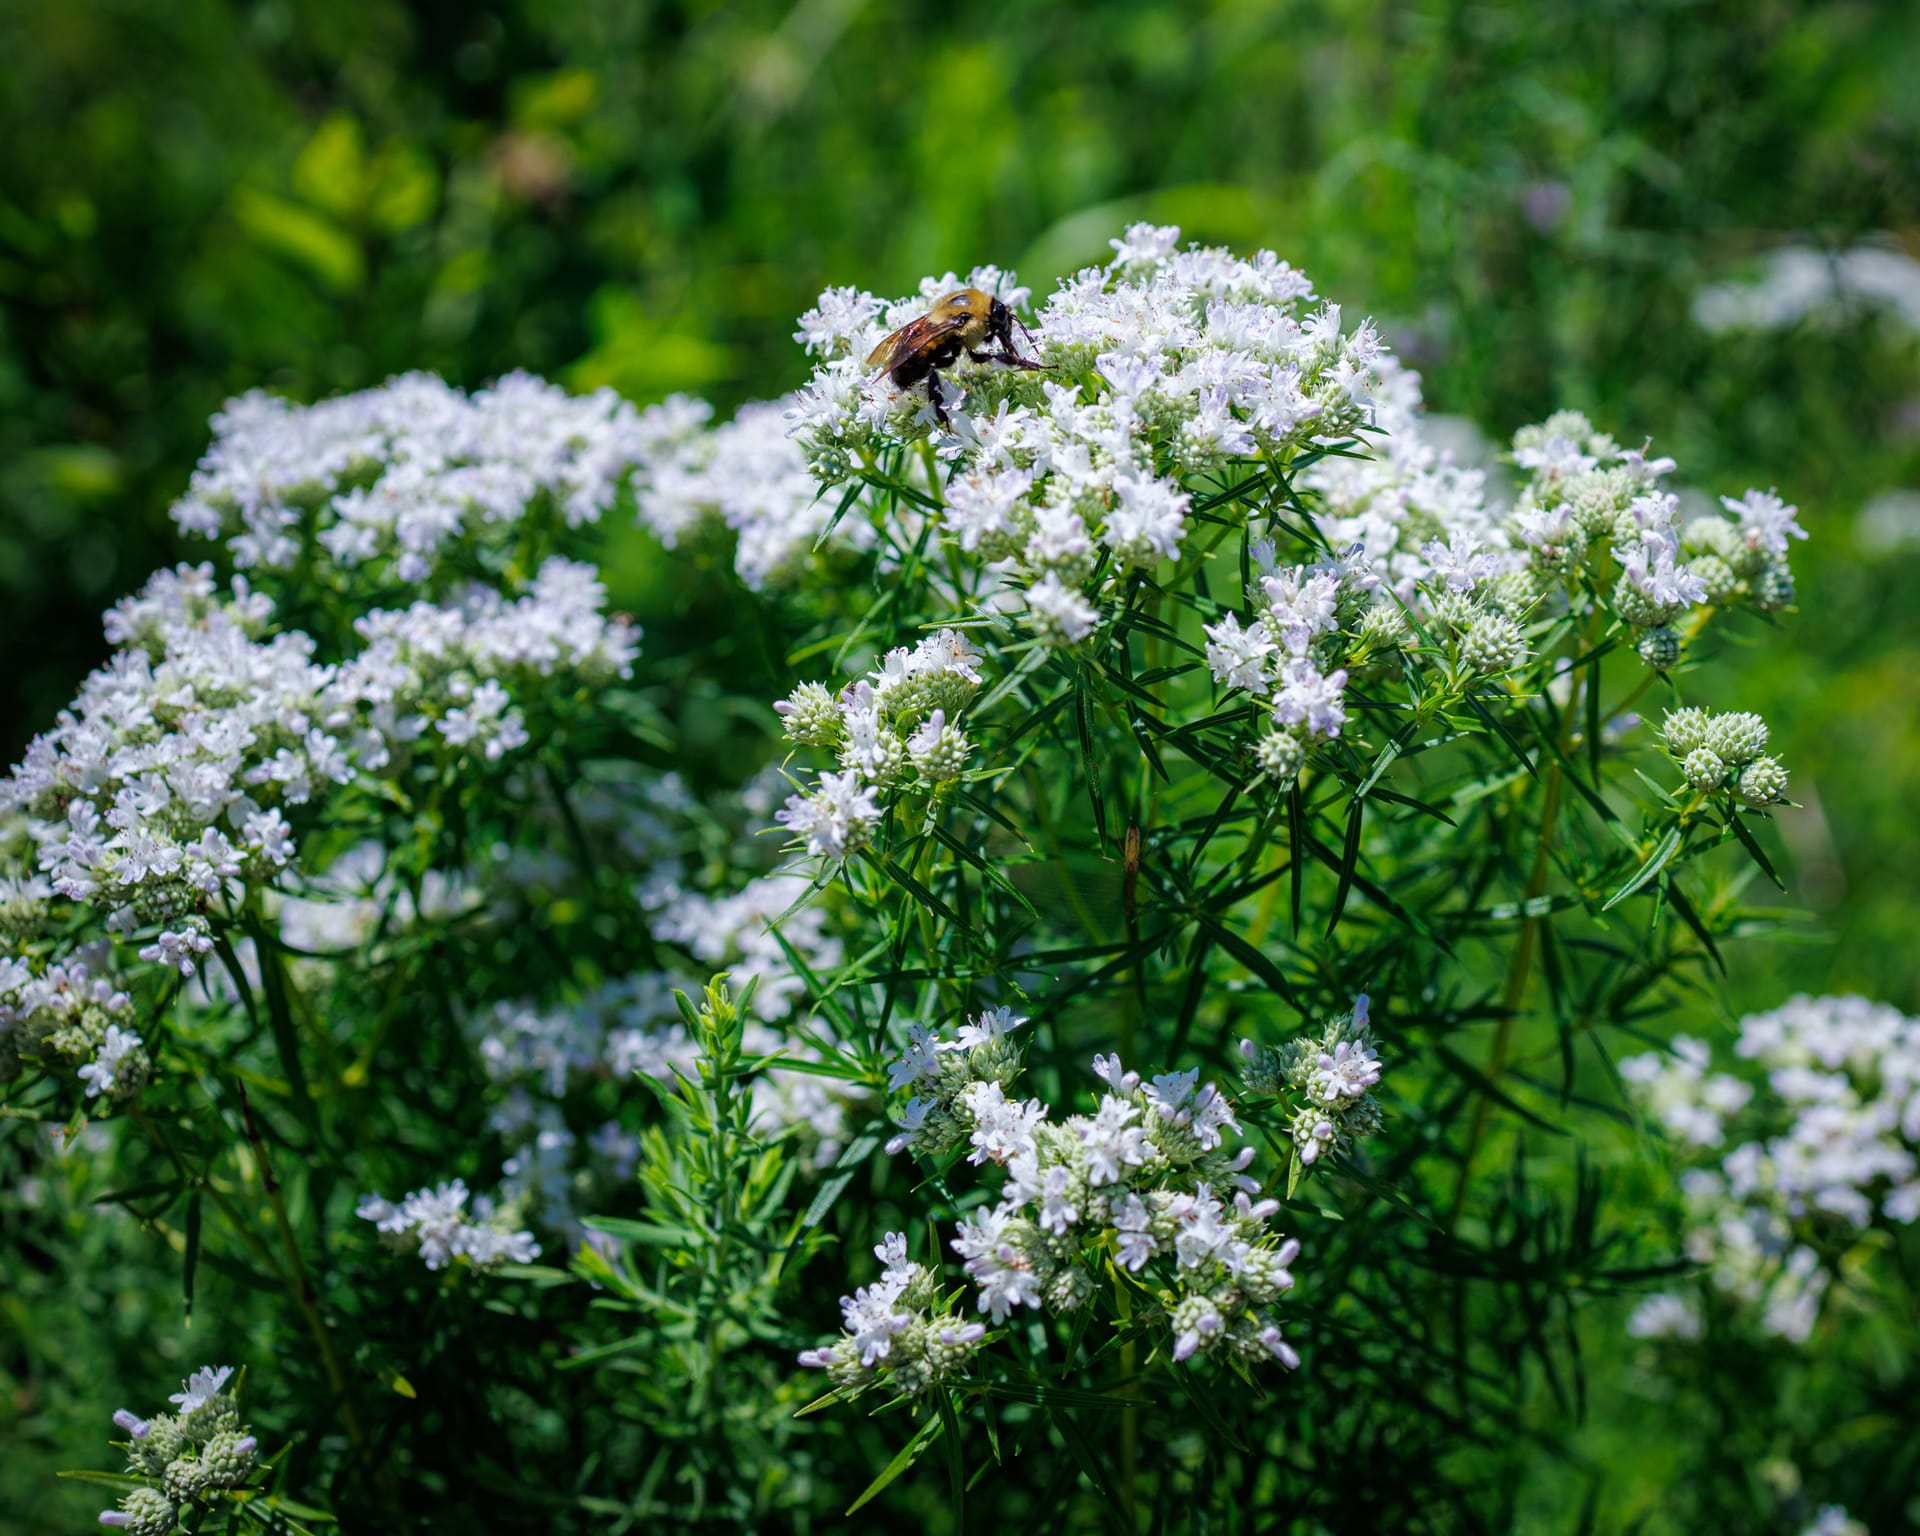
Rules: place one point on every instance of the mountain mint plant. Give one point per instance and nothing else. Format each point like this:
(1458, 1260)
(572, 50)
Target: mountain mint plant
(525, 1032)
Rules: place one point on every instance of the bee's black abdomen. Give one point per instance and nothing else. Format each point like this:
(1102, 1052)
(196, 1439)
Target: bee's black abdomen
(910, 371)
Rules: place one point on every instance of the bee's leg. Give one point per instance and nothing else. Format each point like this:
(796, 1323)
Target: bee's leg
(1006, 360)
(933, 395)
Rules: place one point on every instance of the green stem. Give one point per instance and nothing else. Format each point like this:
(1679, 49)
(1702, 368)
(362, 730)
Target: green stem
(300, 1286)
(1520, 970)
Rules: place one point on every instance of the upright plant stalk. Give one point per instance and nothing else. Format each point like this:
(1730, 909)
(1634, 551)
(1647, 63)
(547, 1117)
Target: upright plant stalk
(300, 1286)
(1520, 968)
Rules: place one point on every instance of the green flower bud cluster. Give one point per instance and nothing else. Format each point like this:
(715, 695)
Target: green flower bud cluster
(24, 909)
(895, 728)
(1279, 757)
(812, 716)
(1331, 1074)
(184, 1459)
(1492, 645)
(1744, 563)
(1659, 647)
(898, 1331)
(1724, 753)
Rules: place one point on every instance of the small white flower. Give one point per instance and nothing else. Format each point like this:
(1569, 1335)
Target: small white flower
(1059, 612)
(1766, 522)
(1238, 657)
(201, 1388)
(985, 1028)
(101, 1075)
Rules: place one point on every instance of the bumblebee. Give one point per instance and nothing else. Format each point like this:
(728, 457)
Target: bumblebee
(968, 321)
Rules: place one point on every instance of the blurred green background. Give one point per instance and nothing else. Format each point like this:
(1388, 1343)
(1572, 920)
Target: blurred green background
(198, 198)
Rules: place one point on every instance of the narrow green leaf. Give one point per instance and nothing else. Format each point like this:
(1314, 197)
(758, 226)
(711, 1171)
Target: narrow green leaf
(1681, 904)
(846, 501)
(119, 1481)
(908, 1454)
(1656, 861)
(646, 1233)
(857, 1152)
(926, 897)
(1083, 720)
(1499, 729)
(1296, 841)
(824, 1401)
(1349, 857)
(1739, 825)
(1252, 959)
(956, 1470)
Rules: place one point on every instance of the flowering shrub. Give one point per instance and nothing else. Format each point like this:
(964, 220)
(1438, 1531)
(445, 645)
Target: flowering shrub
(510, 1013)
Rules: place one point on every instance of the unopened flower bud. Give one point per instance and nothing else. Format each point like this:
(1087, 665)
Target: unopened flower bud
(1710, 536)
(812, 717)
(1492, 645)
(1659, 648)
(939, 750)
(1279, 757)
(1383, 627)
(1069, 1290)
(1738, 738)
(1722, 585)
(228, 1459)
(1684, 730)
(143, 1512)
(183, 1479)
(1704, 768)
(1763, 782)
(1773, 587)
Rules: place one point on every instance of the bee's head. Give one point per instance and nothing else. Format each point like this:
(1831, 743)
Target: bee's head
(1000, 323)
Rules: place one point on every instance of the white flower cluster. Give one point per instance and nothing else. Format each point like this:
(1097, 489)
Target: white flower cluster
(438, 672)
(1145, 1178)
(1799, 283)
(897, 1329)
(184, 1459)
(390, 480)
(1166, 359)
(1404, 498)
(845, 415)
(895, 729)
(942, 1074)
(1311, 619)
(165, 788)
(1592, 507)
(69, 1012)
(435, 1224)
(1591, 515)
(1843, 1076)
(1724, 753)
(748, 474)
(168, 777)
(1332, 1075)
(333, 913)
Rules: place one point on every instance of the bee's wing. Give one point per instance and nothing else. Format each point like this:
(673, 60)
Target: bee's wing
(914, 336)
